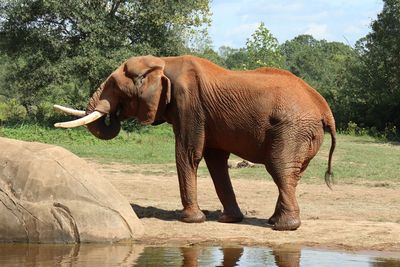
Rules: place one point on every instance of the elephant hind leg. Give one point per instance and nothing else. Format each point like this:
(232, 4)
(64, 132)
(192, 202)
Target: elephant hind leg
(217, 164)
(286, 170)
(287, 211)
(288, 157)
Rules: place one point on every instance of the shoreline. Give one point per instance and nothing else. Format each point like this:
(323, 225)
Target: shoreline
(351, 217)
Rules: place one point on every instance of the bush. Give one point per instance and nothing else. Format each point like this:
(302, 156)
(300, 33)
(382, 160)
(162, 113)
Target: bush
(44, 111)
(11, 110)
(130, 126)
(351, 128)
(390, 133)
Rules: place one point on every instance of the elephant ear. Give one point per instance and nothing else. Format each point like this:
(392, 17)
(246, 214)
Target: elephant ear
(153, 87)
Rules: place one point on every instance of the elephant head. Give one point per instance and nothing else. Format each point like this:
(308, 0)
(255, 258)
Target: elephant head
(136, 89)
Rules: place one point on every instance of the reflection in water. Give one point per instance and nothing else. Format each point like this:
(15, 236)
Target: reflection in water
(382, 262)
(231, 256)
(287, 257)
(68, 255)
(138, 255)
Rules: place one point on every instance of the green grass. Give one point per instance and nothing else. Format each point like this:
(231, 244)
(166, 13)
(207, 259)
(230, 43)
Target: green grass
(364, 158)
(145, 146)
(357, 159)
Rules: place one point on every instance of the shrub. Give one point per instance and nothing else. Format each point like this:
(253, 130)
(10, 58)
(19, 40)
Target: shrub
(351, 128)
(11, 110)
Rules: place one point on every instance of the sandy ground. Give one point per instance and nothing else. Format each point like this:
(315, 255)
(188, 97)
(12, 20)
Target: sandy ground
(351, 217)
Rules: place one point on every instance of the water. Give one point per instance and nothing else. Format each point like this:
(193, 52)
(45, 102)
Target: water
(138, 255)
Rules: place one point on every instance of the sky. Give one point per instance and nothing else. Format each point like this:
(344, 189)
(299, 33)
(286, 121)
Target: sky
(233, 21)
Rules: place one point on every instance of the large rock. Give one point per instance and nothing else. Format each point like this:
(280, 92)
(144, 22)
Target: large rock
(47, 194)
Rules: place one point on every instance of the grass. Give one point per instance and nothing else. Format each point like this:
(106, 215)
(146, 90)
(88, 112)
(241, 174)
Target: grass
(357, 159)
(142, 147)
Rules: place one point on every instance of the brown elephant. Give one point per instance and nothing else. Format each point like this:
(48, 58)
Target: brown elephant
(267, 116)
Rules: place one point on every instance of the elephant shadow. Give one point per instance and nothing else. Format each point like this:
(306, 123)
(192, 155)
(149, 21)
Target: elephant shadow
(153, 212)
(174, 215)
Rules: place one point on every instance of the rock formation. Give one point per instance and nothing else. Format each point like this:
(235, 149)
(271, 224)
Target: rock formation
(48, 194)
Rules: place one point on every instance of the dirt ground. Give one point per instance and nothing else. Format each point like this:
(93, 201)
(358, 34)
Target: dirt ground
(351, 217)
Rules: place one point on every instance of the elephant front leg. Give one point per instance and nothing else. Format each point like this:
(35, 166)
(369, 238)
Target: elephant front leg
(187, 161)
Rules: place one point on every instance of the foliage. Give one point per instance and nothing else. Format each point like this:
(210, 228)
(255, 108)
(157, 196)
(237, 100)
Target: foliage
(201, 46)
(376, 76)
(234, 58)
(63, 49)
(11, 110)
(263, 49)
(133, 126)
(59, 51)
(389, 133)
(324, 66)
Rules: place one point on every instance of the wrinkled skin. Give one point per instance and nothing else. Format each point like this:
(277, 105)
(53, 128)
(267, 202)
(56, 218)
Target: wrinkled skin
(265, 116)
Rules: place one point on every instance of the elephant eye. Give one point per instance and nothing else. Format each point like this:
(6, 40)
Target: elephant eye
(139, 80)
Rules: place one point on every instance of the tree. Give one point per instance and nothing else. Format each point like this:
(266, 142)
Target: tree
(302, 57)
(324, 65)
(201, 45)
(235, 59)
(263, 49)
(61, 50)
(378, 75)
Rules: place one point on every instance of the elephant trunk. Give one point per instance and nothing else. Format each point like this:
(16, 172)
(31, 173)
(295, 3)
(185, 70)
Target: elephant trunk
(106, 127)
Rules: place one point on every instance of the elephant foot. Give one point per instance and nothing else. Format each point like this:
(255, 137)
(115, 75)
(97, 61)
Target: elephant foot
(286, 222)
(192, 216)
(231, 217)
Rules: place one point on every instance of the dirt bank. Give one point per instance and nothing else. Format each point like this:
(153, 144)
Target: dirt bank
(354, 217)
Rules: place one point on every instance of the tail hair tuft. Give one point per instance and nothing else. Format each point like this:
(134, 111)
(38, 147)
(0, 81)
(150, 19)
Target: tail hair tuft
(329, 179)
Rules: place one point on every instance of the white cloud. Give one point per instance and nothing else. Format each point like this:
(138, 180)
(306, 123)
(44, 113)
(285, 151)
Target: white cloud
(235, 21)
(318, 31)
(245, 29)
(272, 6)
(241, 32)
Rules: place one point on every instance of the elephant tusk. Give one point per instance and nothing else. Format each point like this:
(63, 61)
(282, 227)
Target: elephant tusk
(71, 111)
(95, 115)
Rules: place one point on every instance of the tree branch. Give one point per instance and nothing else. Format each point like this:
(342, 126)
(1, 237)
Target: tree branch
(114, 7)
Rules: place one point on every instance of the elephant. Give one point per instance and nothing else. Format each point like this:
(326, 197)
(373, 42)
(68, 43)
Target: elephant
(267, 116)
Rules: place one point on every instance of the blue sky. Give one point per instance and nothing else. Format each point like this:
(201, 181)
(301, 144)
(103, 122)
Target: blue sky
(334, 20)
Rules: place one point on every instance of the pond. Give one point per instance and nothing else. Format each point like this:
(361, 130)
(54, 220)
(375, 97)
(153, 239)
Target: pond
(139, 255)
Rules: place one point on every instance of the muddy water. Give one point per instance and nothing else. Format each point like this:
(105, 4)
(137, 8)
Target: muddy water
(138, 255)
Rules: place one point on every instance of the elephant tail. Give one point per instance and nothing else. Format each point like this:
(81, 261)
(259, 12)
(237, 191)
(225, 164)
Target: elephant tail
(329, 124)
